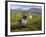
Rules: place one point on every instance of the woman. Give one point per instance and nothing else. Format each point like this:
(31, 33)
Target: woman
(23, 21)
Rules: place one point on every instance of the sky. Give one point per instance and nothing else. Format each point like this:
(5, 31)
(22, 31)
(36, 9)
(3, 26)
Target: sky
(25, 7)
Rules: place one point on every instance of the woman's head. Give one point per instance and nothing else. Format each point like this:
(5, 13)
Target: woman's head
(24, 17)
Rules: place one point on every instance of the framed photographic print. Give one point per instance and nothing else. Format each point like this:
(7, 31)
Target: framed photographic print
(24, 18)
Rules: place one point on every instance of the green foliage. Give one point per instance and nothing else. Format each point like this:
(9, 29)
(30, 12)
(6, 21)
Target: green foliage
(33, 24)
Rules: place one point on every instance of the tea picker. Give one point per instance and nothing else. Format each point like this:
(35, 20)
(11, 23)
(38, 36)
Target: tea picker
(23, 21)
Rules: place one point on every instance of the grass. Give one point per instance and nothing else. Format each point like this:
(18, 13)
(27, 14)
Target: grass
(33, 24)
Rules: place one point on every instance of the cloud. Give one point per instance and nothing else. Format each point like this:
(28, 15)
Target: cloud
(25, 7)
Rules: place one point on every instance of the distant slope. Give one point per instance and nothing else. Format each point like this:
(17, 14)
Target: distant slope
(32, 10)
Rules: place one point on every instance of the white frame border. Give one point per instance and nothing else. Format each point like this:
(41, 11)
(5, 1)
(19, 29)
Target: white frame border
(30, 32)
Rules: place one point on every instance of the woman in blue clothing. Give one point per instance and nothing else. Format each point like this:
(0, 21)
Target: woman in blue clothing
(23, 21)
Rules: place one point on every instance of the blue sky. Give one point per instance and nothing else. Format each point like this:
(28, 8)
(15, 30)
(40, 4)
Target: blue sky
(25, 7)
